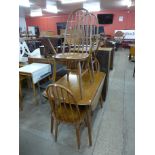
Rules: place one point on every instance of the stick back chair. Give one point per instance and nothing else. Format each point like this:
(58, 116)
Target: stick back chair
(80, 36)
(64, 108)
(81, 33)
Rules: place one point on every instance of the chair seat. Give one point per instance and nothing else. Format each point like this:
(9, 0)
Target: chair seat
(71, 116)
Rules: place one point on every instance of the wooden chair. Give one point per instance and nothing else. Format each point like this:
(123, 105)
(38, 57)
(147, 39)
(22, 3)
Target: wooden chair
(119, 37)
(64, 108)
(80, 39)
(81, 33)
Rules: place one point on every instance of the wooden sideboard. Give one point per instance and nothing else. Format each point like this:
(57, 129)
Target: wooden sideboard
(104, 58)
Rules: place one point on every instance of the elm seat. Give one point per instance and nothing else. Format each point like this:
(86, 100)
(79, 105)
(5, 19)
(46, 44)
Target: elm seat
(71, 116)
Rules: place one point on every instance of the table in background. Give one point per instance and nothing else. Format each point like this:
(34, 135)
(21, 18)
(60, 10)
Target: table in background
(37, 72)
(60, 69)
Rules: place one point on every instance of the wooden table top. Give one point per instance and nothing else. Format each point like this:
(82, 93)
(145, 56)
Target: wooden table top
(71, 56)
(89, 88)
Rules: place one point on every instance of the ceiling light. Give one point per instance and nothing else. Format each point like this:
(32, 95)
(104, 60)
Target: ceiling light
(51, 7)
(127, 3)
(35, 13)
(94, 6)
(24, 3)
(71, 1)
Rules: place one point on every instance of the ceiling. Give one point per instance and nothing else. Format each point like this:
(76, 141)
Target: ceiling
(66, 8)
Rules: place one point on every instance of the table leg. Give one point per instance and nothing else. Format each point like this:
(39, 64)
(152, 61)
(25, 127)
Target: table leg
(20, 96)
(80, 79)
(38, 84)
(34, 92)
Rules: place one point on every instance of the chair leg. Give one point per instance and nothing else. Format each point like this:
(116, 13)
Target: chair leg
(68, 76)
(28, 80)
(52, 121)
(89, 129)
(134, 72)
(78, 135)
(56, 130)
(85, 121)
(101, 101)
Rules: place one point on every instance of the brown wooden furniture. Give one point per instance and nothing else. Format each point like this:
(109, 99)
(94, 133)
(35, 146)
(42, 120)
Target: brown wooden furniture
(104, 57)
(64, 108)
(92, 91)
(111, 52)
(91, 96)
(80, 34)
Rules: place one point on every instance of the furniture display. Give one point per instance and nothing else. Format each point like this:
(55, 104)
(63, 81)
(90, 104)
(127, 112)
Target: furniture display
(64, 108)
(37, 72)
(75, 95)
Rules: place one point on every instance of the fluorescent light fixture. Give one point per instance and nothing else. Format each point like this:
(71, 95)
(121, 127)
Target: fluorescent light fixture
(93, 6)
(24, 3)
(127, 2)
(35, 13)
(51, 7)
(71, 1)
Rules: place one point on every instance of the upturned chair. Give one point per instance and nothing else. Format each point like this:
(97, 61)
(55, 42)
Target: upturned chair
(64, 108)
(80, 39)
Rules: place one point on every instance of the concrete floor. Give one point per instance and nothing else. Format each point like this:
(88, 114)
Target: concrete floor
(113, 126)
